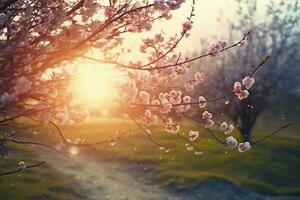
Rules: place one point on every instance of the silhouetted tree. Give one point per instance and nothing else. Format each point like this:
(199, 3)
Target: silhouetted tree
(275, 32)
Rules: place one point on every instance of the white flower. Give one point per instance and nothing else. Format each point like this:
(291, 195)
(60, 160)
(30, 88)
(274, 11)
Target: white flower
(193, 135)
(243, 95)
(187, 99)
(22, 85)
(206, 115)
(226, 128)
(244, 146)
(223, 126)
(202, 102)
(248, 82)
(209, 123)
(237, 87)
(231, 142)
(22, 165)
(148, 132)
(229, 130)
(189, 147)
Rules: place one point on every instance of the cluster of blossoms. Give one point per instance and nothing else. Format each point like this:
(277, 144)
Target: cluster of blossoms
(216, 48)
(186, 26)
(233, 143)
(207, 118)
(149, 118)
(70, 31)
(170, 126)
(227, 129)
(241, 93)
(172, 4)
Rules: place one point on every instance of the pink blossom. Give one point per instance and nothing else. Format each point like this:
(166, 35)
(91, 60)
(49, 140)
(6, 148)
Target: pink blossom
(186, 26)
(173, 128)
(237, 87)
(187, 99)
(189, 147)
(226, 128)
(175, 97)
(243, 43)
(248, 82)
(223, 126)
(193, 135)
(202, 102)
(175, 4)
(229, 130)
(243, 94)
(159, 38)
(231, 142)
(242, 147)
(216, 48)
(206, 115)
(22, 165)
(209, 123)
(159, 3)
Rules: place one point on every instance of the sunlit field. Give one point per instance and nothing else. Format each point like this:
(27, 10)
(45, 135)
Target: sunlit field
(271, 168)
(149, 100)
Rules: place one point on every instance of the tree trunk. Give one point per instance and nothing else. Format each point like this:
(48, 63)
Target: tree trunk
(246, 134)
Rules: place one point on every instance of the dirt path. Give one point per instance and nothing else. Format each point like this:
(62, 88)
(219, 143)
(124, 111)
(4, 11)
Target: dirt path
(108, 180)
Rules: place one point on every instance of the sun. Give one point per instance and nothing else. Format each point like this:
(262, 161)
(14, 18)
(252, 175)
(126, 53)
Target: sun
(96, 83)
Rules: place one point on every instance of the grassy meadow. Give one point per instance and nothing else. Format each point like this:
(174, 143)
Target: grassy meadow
(42, 182)
(271, 167)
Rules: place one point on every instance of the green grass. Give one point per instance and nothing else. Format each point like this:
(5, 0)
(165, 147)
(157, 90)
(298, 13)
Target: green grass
(42, 182)
(271, 167)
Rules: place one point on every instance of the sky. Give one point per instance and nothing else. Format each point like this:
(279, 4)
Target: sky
(205, 21)
(98, 82)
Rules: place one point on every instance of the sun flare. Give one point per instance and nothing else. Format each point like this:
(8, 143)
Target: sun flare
(96, 83)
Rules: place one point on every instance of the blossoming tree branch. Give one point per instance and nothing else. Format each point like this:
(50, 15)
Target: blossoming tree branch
(40, 39)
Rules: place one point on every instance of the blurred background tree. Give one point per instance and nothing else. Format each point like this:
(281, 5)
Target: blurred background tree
(277, 34)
